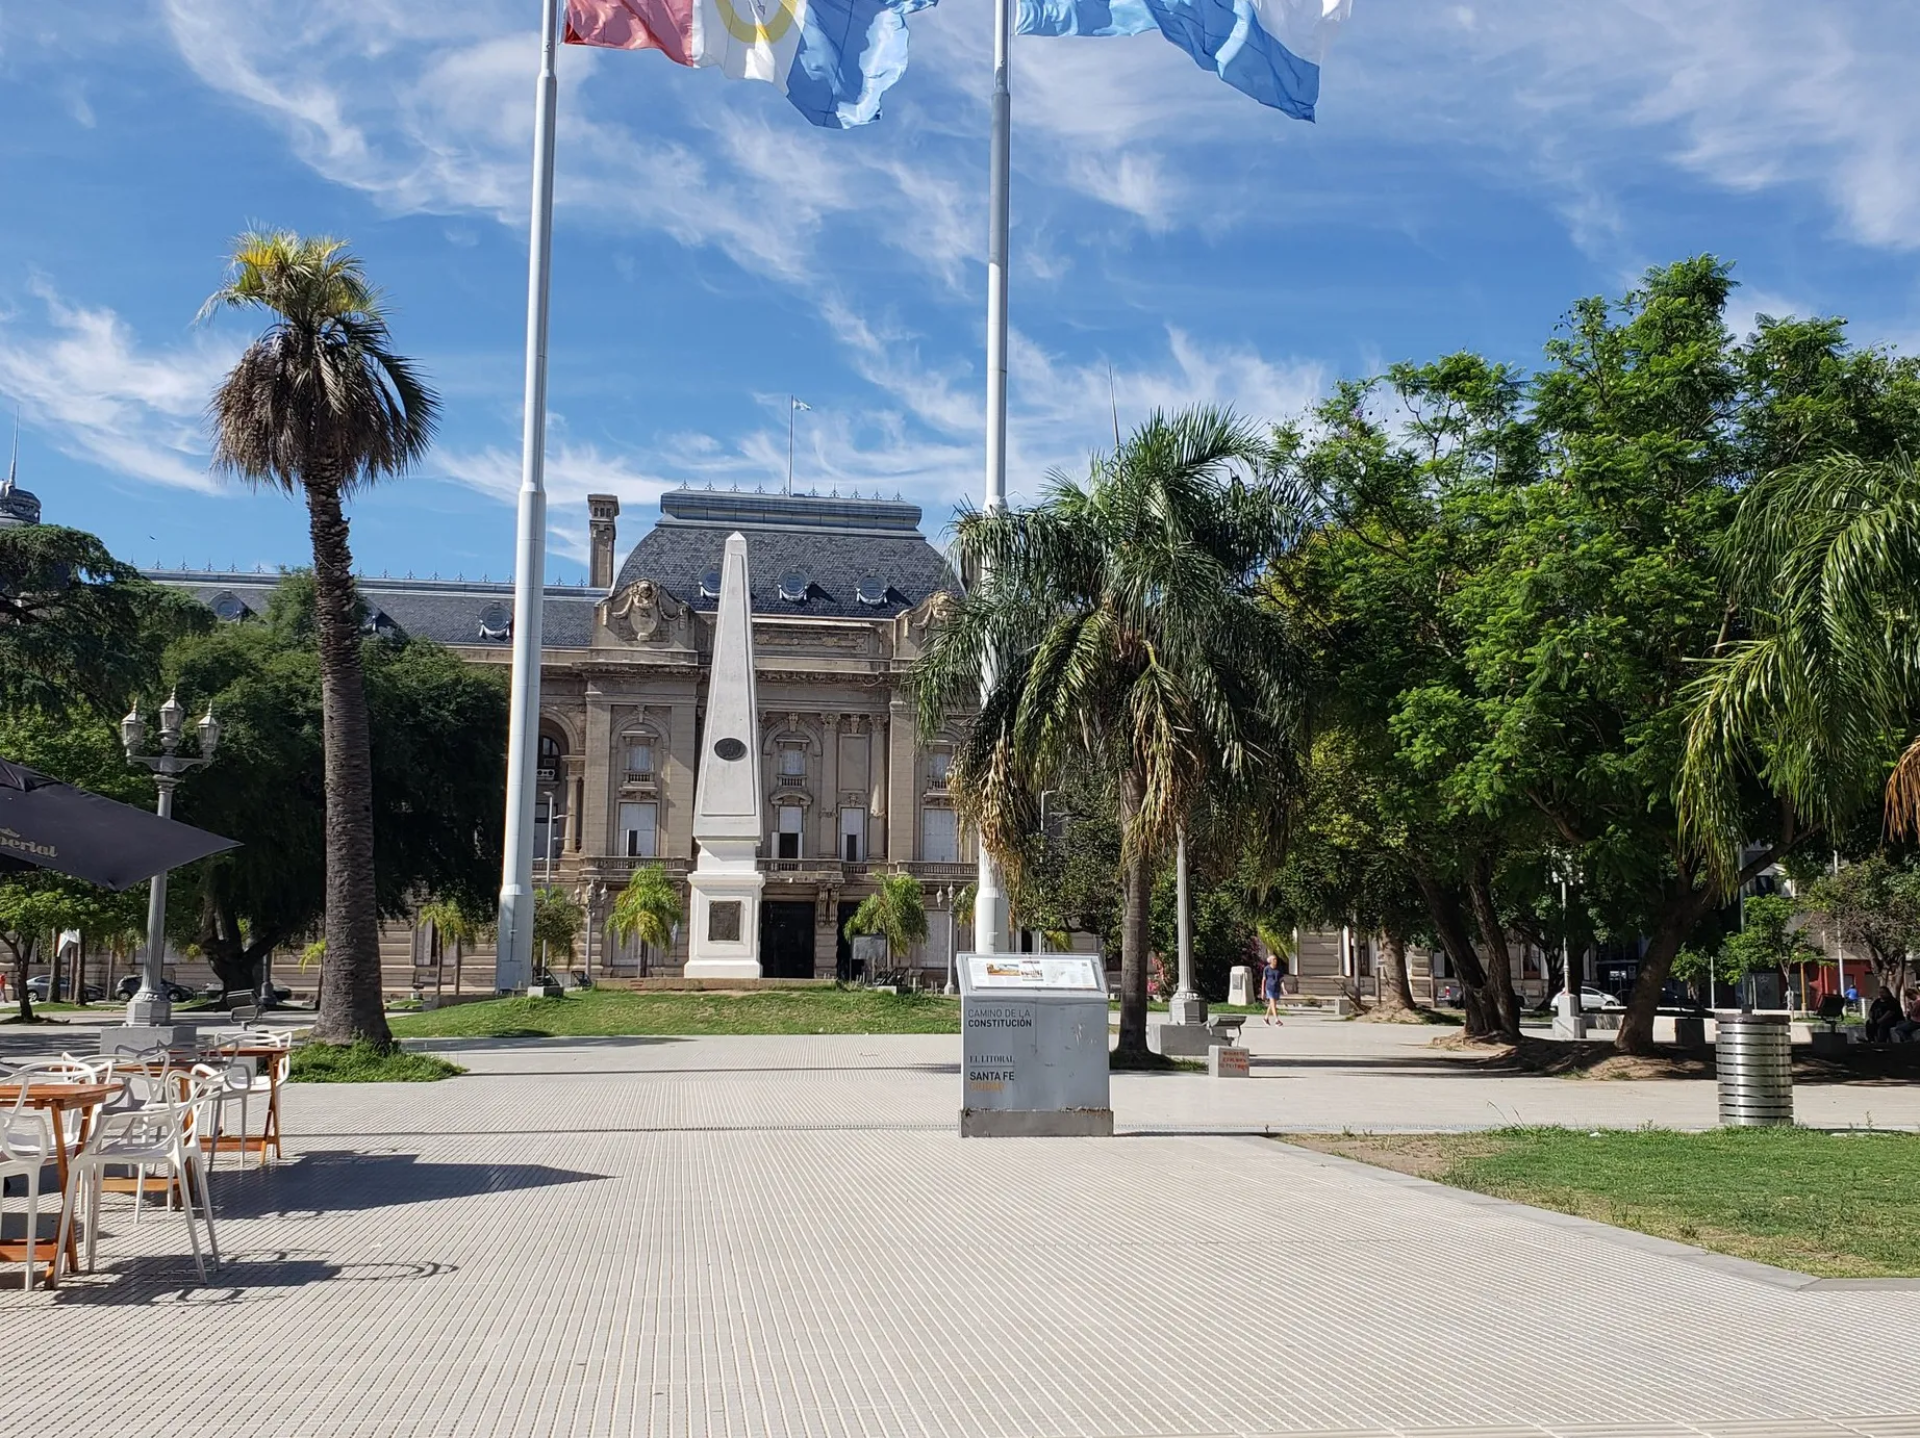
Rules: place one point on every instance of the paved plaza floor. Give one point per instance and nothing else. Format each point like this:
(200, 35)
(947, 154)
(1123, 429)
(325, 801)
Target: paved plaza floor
(784, 1237)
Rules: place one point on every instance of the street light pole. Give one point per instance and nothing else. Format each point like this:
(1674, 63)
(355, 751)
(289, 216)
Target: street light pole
(151, 1005)
(1186, 1006)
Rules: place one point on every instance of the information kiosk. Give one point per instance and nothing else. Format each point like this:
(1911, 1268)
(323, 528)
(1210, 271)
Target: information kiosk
(1034, 1046)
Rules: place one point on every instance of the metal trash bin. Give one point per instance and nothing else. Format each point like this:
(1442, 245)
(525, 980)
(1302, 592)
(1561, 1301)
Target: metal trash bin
(1753, 1056)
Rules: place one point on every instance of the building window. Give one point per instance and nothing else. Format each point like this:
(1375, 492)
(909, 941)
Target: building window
(639, 758)
(787, 836)
(939, 765)
(549, 830)
(548, 767)
(853, 835)
(640, 830)
(793, 761)
(939, 836)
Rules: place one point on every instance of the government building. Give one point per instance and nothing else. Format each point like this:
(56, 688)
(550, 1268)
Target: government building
(844, 592)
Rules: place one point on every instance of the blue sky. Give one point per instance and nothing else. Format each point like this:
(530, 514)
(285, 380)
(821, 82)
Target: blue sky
(1476, 167)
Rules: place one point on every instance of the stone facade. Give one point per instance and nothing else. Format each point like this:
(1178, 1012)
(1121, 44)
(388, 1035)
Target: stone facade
(844, 595)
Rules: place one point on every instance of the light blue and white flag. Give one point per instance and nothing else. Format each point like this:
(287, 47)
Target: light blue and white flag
(1269, 49)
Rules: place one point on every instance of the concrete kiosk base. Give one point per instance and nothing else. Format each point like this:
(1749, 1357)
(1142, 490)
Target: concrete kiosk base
(138, 1038)
(1183, 1041)
(1036, 1123)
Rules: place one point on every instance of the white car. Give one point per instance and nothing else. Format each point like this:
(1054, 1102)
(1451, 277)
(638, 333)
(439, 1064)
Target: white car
(1597, 999)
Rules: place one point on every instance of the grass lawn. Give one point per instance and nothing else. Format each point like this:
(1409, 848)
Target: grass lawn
(621, 1011)
(1838, 1205)
(363, 1063)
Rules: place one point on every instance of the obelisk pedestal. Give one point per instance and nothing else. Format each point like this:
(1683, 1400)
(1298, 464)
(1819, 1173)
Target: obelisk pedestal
(725, 883)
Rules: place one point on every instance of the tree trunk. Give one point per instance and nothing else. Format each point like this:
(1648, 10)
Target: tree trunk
(1396, 987)
(1137, 886)
(1502, 1001)
(1450, 925)
(80, 971)
(1636, 1024)
(22, 971)
(53, 971)
(350, 997)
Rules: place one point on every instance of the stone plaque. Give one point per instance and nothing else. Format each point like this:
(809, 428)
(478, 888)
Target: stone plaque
(1227, 1062)
(723, 921)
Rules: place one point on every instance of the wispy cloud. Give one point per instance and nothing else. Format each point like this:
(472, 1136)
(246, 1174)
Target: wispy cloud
(81, 375)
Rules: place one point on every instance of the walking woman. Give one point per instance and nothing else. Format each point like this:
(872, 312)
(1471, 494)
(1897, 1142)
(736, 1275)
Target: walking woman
(1272, 978)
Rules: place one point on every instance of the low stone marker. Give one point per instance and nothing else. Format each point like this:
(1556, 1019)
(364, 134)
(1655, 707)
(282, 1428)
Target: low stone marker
(1225, 1062)
(1240, 984)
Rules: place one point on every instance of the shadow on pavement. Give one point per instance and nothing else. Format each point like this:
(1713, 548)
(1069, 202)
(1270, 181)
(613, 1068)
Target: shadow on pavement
(334, 1181)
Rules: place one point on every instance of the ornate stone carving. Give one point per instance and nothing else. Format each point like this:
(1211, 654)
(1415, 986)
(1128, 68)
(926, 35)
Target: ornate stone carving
(640, 612)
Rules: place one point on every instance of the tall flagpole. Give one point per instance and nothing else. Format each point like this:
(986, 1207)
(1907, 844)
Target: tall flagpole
(990, 891)
(513, 961)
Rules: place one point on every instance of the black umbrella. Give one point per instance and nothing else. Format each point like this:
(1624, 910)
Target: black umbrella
(45, 824)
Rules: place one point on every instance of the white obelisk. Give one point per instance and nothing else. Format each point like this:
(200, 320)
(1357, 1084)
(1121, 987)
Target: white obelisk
(726, 881)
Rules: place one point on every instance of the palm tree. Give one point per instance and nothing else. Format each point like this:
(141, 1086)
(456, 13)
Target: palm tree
(897, 911)
(1822, 561)
(647, 909)
(318, 406)
(1119, 622)
(451, 921)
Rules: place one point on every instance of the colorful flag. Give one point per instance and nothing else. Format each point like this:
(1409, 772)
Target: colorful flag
(1269, 49)
(800, 404)
(833, 59)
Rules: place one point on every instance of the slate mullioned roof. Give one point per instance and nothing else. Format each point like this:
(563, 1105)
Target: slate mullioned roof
(446, 611)
(835, 542)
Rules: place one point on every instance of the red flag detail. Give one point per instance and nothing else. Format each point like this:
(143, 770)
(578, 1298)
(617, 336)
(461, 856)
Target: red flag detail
(663, 25)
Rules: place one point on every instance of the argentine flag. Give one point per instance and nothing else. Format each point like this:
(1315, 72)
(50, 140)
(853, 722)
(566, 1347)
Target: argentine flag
(832, 58)
(1269, 49)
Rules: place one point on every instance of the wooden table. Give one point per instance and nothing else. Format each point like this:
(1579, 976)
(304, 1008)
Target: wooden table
(274, 1055)
(57, 1099)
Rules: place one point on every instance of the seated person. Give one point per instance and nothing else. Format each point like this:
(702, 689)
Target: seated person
(1904, 1031)
(1882, 1015)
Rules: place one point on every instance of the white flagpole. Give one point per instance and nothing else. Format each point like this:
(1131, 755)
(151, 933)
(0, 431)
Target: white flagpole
(790, 409)
(990, 891)
(513, 961)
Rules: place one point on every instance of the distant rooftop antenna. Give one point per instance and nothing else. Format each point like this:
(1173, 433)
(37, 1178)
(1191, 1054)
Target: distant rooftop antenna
(1114, 401)
(13, 463)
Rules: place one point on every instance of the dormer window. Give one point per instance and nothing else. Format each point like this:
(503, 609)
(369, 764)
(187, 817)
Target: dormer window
(710, 584)
(871, 592)
(794, 585)
(496, 621)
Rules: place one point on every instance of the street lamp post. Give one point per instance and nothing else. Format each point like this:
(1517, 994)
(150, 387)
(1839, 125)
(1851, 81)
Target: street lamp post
(1570, 1022)
(151, 1006)
(1186, 1006)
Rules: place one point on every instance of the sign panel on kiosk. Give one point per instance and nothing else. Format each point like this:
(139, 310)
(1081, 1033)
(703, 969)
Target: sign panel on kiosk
(1034, 1046)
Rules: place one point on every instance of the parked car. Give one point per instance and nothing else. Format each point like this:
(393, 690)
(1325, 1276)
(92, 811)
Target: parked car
(37, 989)
(1592, 1000)
(176, 993)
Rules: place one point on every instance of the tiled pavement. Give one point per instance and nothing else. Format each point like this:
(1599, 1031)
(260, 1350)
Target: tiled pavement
(778, 1237)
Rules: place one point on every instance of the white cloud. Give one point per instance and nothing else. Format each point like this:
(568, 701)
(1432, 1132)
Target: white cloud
(82, 377)
(572, 473)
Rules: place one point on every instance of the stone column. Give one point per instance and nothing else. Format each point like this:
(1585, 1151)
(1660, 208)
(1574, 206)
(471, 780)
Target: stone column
(676, 769)
(596, 807)
(877, 788)
(576, 769)
(827, 796)
(903, 783)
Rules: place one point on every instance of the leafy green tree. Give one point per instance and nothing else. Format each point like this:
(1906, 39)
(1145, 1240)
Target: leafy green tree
(1872, 905)
(318, 406)
(896, 910)
(557, 921)
(439, 741)
(647, 909)
(79, 629)
(35, 905)
(1118, 622)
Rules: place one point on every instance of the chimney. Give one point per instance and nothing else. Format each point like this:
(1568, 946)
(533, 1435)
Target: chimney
(601, 510)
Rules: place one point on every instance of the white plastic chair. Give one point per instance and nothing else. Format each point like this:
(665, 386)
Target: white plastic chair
(263, 1079)
(26, 1147)
(160, 1136)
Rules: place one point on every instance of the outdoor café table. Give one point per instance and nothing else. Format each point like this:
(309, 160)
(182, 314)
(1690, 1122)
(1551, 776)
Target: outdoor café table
(57, 1099)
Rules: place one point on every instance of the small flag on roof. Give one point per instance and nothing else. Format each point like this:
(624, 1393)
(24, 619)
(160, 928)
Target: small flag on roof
(833, 59)
(1269, 49)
